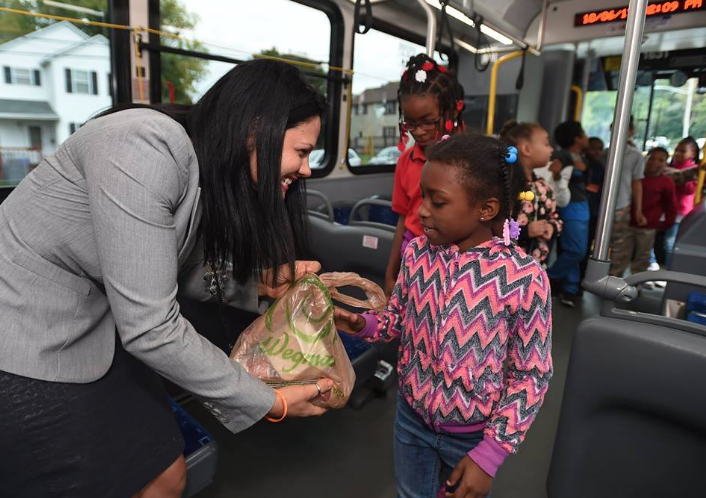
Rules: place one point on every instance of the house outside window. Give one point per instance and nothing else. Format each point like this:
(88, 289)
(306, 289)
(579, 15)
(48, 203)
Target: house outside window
(80, 81)
(390, 107)
(22, 76)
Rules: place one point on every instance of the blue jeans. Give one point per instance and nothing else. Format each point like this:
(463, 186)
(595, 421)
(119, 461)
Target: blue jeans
(670, 237)
(574, 243)
(424, 459)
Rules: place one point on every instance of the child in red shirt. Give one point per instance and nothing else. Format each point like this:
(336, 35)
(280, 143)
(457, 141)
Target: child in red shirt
(430, 101)
(659, 206)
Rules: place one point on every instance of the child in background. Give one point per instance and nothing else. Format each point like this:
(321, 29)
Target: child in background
(594, 190)
(575, 216)
(430, 102)
(537, 216)
(628, 205)
(473, 313)
(658, 201)
(683, 169)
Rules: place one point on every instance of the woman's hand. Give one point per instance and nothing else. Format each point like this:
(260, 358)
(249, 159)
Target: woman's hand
(350, 323)
(537, 228)
(472, 481)
(284, 278)
(299, 400)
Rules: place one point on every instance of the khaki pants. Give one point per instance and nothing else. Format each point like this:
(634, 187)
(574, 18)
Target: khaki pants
(630, 246)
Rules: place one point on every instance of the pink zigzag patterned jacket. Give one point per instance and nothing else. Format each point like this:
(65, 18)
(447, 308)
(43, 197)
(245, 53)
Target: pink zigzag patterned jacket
(461, 317)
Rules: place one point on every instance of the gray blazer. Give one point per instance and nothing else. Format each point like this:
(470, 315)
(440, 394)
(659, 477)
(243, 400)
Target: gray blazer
(97, 237)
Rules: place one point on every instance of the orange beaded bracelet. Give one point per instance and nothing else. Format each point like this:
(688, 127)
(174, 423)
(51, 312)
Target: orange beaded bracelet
(284, 409)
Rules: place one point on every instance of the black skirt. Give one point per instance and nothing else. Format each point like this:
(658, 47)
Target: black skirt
(108, 438)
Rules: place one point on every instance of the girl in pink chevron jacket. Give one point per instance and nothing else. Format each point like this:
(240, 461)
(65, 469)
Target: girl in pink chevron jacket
(473, 315)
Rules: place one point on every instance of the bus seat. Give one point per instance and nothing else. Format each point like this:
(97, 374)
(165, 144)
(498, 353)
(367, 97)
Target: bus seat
(375, 213)
(632, 418)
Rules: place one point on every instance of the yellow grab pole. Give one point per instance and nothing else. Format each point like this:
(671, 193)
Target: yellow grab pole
(579, 101)
(700, 182)
(494, 87)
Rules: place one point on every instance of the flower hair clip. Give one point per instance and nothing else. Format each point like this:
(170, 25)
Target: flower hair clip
(526, 196)
(420, 76)
(511, 231)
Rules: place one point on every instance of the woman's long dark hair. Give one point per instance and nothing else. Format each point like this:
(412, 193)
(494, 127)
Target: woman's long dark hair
(251, 106)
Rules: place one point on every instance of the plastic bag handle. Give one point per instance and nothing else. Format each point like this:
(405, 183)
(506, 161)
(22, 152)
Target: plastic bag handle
(376, 297)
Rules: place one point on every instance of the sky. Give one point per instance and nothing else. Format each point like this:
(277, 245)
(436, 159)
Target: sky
(238, 28)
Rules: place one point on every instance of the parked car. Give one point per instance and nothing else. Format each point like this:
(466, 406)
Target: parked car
(657, 142)
(353, 158)
(317, 156)
(388, 155)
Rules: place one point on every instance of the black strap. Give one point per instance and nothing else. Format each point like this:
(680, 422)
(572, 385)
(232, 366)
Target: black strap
(481, 44)
(368, 16)
(445, 23)
(521, 77)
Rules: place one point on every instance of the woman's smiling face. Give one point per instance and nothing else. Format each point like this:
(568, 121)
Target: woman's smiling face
(299, 141)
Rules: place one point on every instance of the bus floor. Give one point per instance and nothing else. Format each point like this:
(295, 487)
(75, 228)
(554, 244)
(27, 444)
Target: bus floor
(348, 453)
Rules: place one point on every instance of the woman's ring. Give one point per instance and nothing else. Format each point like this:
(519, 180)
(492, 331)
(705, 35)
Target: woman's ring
(318, 387)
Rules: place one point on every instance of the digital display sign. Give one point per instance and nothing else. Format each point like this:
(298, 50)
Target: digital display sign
(654, 9)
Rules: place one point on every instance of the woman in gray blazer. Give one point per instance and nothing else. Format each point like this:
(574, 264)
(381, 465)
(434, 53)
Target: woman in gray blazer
(139, 206)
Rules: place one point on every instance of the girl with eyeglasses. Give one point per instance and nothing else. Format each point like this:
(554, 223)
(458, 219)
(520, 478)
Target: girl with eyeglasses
(430, 103)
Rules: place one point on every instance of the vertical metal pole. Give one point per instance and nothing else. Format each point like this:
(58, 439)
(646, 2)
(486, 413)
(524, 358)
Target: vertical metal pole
(621, 123)
(431, 27)
(649, 113)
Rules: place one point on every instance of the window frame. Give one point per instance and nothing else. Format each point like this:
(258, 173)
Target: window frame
(335, 81)
(403, 34)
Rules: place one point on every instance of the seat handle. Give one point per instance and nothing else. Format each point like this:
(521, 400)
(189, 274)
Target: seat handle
(667, 276)
(369, 202)
(329, 207)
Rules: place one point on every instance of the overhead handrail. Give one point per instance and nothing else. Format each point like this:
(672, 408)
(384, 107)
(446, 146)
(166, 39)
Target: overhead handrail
(597, 280)
(431, 27)
(494, 87)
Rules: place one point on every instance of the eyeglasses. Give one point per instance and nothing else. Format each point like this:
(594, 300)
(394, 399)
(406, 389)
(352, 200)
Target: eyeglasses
(425, 124)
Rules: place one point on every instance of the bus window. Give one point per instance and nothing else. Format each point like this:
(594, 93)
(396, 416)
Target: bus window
(677, 112)
(54, 77)
(241, 30)
(378, 61)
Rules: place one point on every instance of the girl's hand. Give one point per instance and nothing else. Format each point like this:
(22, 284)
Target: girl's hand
(472, 481)
(350, 323)
(537, 228)
(299, 400)
(284, 278)
(390, 282)
(548, 232)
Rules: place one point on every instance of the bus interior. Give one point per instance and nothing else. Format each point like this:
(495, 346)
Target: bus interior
(624, 413)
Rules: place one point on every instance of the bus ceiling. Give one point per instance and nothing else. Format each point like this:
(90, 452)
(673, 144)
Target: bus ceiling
(595, 25)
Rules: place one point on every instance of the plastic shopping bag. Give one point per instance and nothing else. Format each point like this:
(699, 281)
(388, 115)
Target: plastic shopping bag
(296, 341)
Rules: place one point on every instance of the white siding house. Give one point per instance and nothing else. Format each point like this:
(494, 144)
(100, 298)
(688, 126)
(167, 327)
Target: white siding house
(51, 81)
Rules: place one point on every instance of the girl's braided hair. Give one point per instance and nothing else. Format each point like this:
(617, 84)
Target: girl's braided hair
(484, 169)
(437, 81)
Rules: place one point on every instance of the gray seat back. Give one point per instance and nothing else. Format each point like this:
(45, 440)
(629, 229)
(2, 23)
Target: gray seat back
(633, 420)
